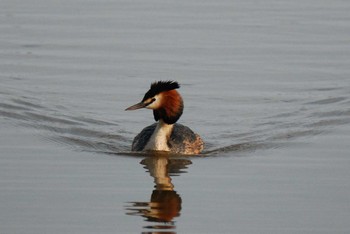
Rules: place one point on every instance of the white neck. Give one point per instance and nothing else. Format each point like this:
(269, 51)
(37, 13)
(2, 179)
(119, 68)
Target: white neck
(160, 137)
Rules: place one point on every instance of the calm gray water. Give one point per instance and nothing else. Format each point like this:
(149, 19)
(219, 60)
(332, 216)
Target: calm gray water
(266, 85)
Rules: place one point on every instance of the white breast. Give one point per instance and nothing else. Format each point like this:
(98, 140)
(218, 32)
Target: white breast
(160, 137)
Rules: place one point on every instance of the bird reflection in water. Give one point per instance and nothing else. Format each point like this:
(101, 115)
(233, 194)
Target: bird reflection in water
(165, 202)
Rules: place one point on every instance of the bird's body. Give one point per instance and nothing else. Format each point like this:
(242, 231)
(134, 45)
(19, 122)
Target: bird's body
(166, 135)
(179, 139)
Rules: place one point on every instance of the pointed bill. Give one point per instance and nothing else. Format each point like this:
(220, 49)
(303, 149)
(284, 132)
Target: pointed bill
(136, 106)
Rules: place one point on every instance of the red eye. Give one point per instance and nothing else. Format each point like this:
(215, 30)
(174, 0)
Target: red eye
(151, 101)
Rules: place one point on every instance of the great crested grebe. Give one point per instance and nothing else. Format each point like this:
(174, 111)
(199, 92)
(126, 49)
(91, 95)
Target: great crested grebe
(166, 135)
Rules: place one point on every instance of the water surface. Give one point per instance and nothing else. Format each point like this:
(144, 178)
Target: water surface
(266, 85)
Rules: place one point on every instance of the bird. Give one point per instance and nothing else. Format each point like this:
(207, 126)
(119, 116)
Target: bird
(165, 134)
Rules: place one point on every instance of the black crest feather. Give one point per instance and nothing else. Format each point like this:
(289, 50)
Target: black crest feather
(160, 86)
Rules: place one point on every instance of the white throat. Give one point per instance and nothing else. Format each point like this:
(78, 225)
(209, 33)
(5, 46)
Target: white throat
(160, 137)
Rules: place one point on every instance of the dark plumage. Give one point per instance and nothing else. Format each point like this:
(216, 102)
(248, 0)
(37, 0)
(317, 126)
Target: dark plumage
(160, 86)
(182, 139)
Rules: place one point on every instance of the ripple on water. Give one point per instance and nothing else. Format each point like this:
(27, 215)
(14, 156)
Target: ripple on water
(81, 133)
(327, 101)
(98, 135)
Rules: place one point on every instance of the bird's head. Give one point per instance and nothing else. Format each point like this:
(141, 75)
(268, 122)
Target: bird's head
(164, 100)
